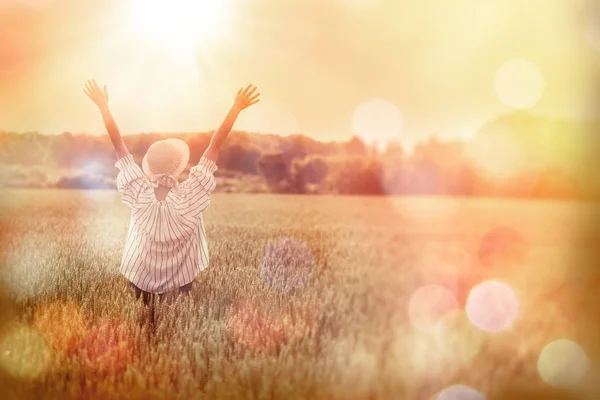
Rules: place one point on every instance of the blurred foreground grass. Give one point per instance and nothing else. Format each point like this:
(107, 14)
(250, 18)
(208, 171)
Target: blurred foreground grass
(334, 325)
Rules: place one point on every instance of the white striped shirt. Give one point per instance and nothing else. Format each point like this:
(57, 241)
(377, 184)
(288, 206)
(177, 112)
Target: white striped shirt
(166, 243)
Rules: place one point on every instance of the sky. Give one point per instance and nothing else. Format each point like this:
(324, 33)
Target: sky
(381, 69)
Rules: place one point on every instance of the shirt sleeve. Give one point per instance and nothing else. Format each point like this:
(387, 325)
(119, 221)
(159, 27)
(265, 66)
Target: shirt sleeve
(130, 180)
(200, 184)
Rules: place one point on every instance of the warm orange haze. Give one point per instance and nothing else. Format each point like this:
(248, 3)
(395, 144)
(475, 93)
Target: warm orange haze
(299, 199)
(381, 69)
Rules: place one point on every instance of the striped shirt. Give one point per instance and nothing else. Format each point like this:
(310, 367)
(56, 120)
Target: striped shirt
(166, 244)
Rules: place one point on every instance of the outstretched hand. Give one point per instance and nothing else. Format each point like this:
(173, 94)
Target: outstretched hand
(98, 96)
(246, 97)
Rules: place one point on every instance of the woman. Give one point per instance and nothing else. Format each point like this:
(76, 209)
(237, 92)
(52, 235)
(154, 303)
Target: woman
(166, 244)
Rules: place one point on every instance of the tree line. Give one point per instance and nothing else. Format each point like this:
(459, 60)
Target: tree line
(515, 155)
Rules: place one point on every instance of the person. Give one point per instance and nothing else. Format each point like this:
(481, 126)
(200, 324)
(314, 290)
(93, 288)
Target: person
(166, 245)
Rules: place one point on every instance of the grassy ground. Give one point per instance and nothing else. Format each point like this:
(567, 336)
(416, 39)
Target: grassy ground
(322, 315)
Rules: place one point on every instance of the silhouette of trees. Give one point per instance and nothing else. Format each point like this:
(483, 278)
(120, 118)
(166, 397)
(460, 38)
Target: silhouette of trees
(240, 157)
(275, 170)
(545, 158)
(356, 147)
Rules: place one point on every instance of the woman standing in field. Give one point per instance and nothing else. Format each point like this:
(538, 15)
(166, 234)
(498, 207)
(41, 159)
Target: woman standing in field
(166, 244)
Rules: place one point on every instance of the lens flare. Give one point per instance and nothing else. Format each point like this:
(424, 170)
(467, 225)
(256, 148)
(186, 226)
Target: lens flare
(429, 304)
(353, 361)
(459, 392)
(563, 363)
(23, 352)
(519, 84)
(499, 156)
(492, 306)
(444, 351)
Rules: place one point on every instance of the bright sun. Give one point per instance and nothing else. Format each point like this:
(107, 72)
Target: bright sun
(178, 22)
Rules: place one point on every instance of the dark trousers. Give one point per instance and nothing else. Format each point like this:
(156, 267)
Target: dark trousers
(147, 296)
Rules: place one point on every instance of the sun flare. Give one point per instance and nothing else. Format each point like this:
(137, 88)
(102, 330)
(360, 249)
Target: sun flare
(178, 22)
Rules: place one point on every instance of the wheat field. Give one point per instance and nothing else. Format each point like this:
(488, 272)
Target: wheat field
(305, 298)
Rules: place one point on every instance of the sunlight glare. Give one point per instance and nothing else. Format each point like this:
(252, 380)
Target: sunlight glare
(563, 363)
(377, 120)
(178, 22)
(492, 306)
(271, 117)
(519, 84)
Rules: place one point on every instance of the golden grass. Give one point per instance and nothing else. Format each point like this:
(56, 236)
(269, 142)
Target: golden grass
(73, 329)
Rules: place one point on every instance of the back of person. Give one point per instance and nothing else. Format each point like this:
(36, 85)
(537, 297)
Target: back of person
(166, 243)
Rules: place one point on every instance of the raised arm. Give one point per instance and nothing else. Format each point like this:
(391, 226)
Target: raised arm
(100, 98)
(243, 99)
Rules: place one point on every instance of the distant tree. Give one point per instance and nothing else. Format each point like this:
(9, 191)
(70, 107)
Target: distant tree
(198, 145)
(293, 147)
(314, 169)
(356, 176)
(356, 146)
(393, 150)
(275, 171)
(425, 178)
(370, 180)
(464, 182)
(241, 157)
(553, 183)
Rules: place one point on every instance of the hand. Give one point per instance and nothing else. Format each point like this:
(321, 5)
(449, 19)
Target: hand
(246, 97)
(98, 96)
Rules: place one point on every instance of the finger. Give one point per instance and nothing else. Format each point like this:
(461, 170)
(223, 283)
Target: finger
(254, 102)
(240, 91)
(247, 87)
(105, 90)
(95, 85)
(88, 86)
(254, 97)
(251, 91)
